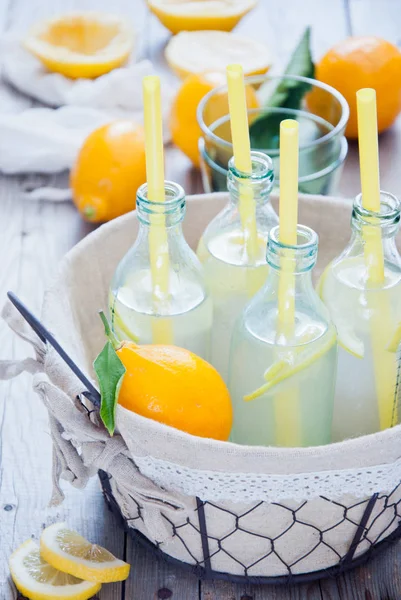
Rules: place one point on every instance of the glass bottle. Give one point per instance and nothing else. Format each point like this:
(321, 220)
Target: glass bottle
(283, 364)
(231, 274)
(367, 314)
(183, 314)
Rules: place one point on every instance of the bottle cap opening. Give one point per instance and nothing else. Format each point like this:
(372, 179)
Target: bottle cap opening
(390, 210)
(172, 206)
(303, 254)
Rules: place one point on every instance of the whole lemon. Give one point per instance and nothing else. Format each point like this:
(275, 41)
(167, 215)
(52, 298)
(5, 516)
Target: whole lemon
(110, 167)
(360, 62)
(185, 131)
(176, 387)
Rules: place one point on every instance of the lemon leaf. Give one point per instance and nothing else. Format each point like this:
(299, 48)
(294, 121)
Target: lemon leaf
(110, 372)
(288, 93)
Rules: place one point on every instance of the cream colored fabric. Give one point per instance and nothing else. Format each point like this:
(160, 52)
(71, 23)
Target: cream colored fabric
(153, 466)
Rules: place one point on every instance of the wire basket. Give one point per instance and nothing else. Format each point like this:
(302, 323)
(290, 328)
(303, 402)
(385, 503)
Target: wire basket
(203, 569)
(261, 515)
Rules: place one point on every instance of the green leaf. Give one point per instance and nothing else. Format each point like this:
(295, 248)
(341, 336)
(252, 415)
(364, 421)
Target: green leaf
(264, 131)
(110, 372)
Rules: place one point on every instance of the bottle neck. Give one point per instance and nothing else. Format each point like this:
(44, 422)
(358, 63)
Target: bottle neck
(167, 212)
(288, 311)
(373, 240)
(298, 259)
(387, 221)
(259, 181)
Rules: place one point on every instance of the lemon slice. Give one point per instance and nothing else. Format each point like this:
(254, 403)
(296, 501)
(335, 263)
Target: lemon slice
(349, 342)
(321, 282)
(292, 363)
(192, 52)
(69, 552)
(86, 44)
(395, 341)
(194, 15)
(38, 580)
(346, 338)
(124, 329)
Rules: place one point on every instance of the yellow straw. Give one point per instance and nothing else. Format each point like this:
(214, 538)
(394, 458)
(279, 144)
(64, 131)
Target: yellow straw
(242, 155)
(288, 181)
(368, 149)
(380, 323)
(158, 243)
(370, 181)
(286, 404)
(288, 218)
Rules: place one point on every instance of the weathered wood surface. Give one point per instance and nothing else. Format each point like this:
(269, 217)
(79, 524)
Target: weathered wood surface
(33, 238)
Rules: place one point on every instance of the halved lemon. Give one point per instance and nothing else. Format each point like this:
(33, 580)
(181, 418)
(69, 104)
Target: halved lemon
(293, 362)
(184, 127)
(71, 553)
(192, 52)
(38, 580)
(87, 44)
(195, 15)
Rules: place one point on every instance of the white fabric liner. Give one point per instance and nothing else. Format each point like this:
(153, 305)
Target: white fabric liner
(256, 487)
(47, 140)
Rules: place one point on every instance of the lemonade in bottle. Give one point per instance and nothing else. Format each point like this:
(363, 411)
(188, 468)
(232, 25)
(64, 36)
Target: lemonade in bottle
(233, 245)
(231, 274)
(367, 315)
(157, 293)
(184, 315)
(362, 289)
(284, 348)
(282, 373)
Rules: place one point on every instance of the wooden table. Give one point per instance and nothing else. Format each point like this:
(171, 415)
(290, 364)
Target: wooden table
(34, 236)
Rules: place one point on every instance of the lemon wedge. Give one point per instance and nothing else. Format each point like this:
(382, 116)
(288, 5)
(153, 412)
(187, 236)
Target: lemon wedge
(38, 580)
(194, 15)
(192, 52)
(87, 44)
(69, 552)
(292, 362)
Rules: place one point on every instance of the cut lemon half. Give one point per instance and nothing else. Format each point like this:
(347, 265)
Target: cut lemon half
(293, 362)
(195, 15)
(87, 44)
(71, 553)
(192, 52)
(38, 580)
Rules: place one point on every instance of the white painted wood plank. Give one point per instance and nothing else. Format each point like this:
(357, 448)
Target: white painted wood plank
(280, 23)
(376, 17)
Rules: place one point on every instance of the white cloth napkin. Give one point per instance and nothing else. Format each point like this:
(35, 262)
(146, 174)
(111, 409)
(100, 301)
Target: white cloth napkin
(47, 140)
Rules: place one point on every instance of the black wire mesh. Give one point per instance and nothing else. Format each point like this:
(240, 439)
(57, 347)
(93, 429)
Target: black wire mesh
(369, 536)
